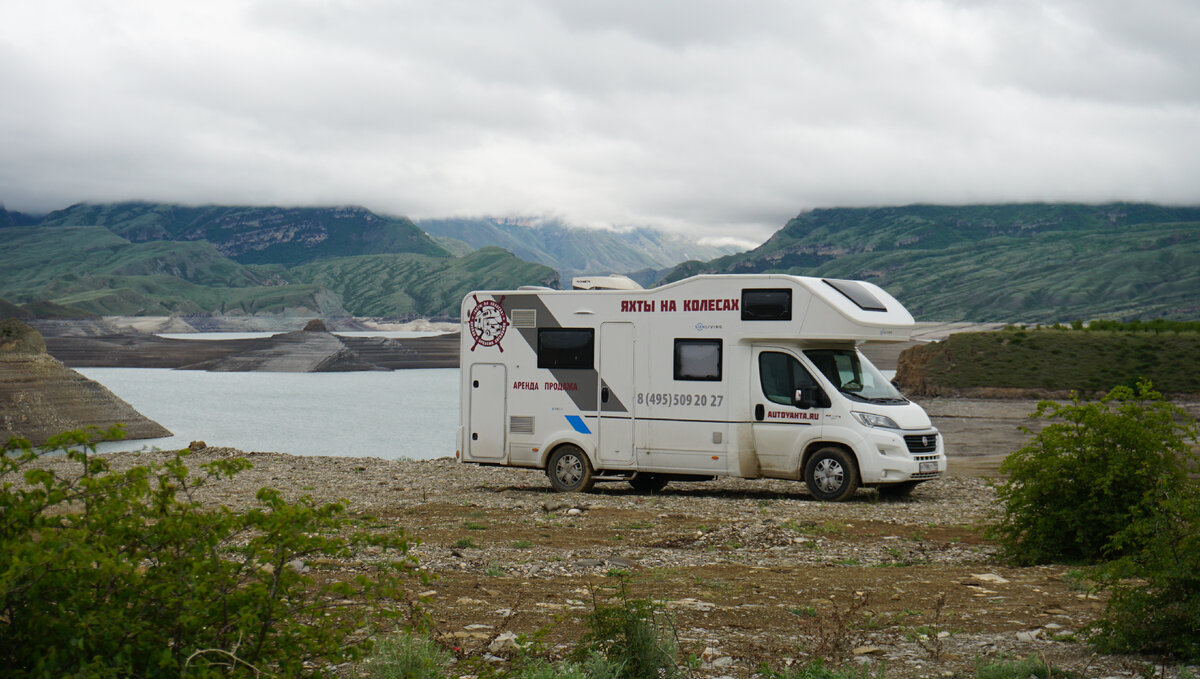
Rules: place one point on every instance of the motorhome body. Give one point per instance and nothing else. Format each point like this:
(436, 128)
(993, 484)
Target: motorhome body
(748, 376)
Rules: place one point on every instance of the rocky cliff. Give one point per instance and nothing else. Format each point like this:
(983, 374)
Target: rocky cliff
(40, 397)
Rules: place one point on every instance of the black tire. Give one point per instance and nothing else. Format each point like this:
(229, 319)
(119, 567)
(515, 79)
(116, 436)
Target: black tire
(569, 470)
(893, 491)
(831, 475)
(648, 483)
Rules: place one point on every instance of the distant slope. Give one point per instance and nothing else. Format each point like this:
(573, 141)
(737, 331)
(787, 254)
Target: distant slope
(1022, 262)
(257, 235)
(575, 249)
(92, 269)
(400, 285)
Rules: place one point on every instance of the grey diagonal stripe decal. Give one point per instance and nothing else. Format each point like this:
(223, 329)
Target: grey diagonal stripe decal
(589, 380)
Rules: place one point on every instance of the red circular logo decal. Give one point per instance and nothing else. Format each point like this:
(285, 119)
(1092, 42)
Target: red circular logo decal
(487, 324)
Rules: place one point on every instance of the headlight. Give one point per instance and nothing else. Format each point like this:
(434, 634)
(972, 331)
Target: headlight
(873, 420)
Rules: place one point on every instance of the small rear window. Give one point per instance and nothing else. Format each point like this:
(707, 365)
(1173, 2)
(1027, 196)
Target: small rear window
(767, 304)
(566, 348)
(856, 292)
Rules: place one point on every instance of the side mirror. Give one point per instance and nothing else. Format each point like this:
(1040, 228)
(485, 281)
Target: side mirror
(806, 397)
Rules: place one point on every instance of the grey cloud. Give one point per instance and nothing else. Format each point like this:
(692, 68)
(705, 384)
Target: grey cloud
(718, 118)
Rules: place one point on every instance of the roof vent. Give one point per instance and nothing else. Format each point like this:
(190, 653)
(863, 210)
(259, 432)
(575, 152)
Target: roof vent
(609, 282)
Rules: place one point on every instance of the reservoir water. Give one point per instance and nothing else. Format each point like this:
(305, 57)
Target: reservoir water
(402, 413)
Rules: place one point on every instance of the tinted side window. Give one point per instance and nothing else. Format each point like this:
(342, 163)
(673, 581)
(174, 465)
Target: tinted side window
(767, 304)
(573, 348)
(698, 360)
(781, 375)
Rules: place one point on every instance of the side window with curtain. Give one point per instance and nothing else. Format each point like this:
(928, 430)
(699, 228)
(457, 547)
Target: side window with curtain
(698, 360)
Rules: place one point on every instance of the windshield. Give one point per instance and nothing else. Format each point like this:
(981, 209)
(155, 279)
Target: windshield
(854, 376)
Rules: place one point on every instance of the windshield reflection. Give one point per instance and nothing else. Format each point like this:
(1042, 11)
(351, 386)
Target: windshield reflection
(854, 375)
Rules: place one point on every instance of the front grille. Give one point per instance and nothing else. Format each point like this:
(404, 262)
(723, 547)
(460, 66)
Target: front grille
(926, 475)
(925, 458)
(921, 443)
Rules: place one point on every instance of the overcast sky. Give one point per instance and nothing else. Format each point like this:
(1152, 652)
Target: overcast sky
(719, 119)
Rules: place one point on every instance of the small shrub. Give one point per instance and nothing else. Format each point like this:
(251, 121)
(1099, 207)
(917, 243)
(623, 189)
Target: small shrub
(408, 656)
(1154, 606)
(106, 573)
(633, 634)
(1021, 669)
(818, 670)
(464, 543)
(1081, 480)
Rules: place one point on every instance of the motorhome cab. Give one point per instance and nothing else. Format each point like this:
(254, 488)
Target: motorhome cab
(751, 376)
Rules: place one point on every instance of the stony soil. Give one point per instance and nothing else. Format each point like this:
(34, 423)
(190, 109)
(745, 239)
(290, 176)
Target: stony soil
(751, 571)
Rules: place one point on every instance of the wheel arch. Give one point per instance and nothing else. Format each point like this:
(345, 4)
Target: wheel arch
(814, 446)
(564, 438)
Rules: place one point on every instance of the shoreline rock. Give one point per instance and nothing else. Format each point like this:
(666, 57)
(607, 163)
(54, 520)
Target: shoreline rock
(41, 397)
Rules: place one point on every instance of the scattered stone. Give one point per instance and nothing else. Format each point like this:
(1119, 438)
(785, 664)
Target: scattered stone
(589, 563)
(621, 562)
(990, 577)
(868, 650)
(574, 511)
(505, 642)
(1032, 635)
(197, 445)
(468, 601)
(427, 594)
(555, 505)
(298, 565)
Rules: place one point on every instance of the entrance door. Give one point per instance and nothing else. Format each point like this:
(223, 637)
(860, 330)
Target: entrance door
(781, 430)
(616, 394)
(488, 390)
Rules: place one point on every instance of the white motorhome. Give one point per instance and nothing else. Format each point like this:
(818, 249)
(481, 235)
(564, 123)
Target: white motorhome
(751, 376)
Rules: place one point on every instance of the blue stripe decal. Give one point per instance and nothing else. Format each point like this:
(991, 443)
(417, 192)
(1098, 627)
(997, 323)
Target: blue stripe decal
(577, 423)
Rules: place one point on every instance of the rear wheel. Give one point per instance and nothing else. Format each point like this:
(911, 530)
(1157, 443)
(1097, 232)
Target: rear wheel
(569, 470)
(648, 483)
(831, 475)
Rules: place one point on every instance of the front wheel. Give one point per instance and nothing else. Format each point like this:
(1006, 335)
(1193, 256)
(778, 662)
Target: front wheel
(569, 470)
(831, 475)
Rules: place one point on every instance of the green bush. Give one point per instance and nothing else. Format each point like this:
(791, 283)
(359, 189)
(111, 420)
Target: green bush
(1090, 472)
(408, 656)
(106, 573)
(1154, 602)
(632, 634)
(818, 670)
(1029, 668)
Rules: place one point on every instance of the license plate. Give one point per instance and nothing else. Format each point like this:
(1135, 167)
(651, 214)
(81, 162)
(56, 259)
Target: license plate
(927, 467)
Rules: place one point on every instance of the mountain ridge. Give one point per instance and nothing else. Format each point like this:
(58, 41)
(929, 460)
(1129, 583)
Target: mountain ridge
(1014, 262)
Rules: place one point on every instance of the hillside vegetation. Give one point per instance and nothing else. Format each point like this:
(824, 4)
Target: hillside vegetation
(92, 269)
(257, 235)
(391, 285)
(1023, 263)
(1054, 359)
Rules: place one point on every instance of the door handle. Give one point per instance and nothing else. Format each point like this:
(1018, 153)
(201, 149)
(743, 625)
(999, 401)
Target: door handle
(759, 412)
(604, 394)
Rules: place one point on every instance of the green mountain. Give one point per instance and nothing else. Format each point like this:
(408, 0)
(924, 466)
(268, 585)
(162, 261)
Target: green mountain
(92, 269)
(397, 285)
(1019, 262)
(575, 250)
(257, 235)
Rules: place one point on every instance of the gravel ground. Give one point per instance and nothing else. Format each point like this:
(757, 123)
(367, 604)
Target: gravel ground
(751, 571)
